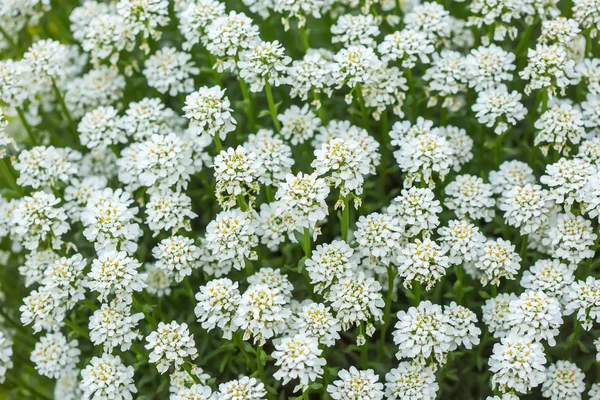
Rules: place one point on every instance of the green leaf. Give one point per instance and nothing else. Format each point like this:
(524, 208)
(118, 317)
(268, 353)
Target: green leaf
(263, 113)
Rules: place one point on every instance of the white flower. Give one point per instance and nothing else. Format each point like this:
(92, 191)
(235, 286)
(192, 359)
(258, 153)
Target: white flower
(108, 221)
(209, 112)
(43, 166)
(48, 59)
(313, 73)
(316, 320)
(169, 344)
(526, 207)
(244, 388)
(298, 357)
(488, 66)
(100, 128)
(468, 196)
(298, 124)
(6, 353)
(194, 19)
(386, 88)
(411, 380)
(358, 29)
(67, 386)
(567, 178)
(497, 107)
(303, 198)
(181, 379)
(113, 325)
(356, 385)
(172, 71)
(273, 154)
(345, 164)
(106, 377)
(446, 77)
(78, 194)
(218, 302)
(226, 36)
(462, 326)
(408, 46)
(115, 272)
(461, 144)
(511, 173)
(496, 313)
(463, 240)
(43, 309)
(144, 16)
(274, 225)
(158, 281)
(195, 391)
(378, 236)
(263, 62)
(562, 30)
(356, 299)
(169, 210)
(15, 85)
(232, 236)
(147, 117)
(53, 355)
(355, 65)
(561, 126)
(535, 315)
(549, 68)
(423, 332)
(417, 211)
(517, 363)
(262, 313)
(329, 263)
(178, 255)
(36, 263)
(571, 238)
(162, 161)
(274, 279)
(66, 280)
(423, 261)
(498, 260)
(236, 174)
(420, 156)
(430, 18)
(584, 297)
(591, 110)
(564, 381)
(39, 220)
(548, 276)
(588, 70)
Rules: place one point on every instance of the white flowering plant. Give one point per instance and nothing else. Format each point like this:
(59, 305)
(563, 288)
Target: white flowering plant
(286, 199)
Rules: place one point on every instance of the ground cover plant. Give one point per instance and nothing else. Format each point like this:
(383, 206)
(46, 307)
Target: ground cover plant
(299, 199)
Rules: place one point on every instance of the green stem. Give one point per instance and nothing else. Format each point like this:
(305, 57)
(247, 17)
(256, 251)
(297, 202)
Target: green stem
(459, 278)
(248, 265)
(188, 287)
(272, 108)
(65, 110)
(387, 314)
(73, 325)
(364, 356)
(385, 145)
(416, 288)
(305, 37)
(242, 203)
(544, 106)
(10, 175)
(361, 103)
(27, 127)
(250, 101)
(345, 219)
(9, 40)
(218, 144)
(306, 243)
(269, 193)
(188, 368)
(523, 250)
(320, 108)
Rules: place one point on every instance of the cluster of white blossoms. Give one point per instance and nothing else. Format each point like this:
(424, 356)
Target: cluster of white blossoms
(268, 199)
